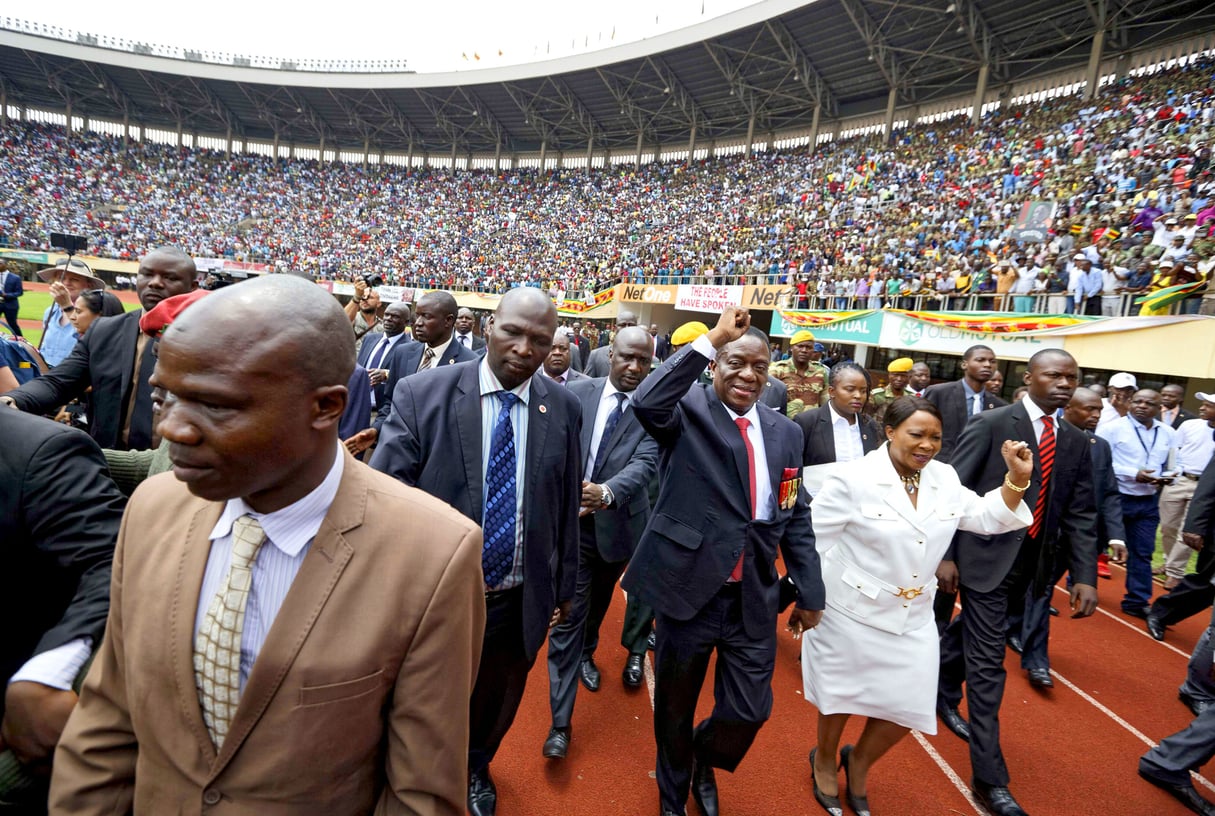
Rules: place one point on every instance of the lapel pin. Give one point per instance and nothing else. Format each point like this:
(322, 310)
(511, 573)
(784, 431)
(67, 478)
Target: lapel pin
(543, 409)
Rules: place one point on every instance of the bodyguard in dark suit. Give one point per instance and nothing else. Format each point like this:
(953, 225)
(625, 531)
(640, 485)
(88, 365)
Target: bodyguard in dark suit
(1195, 592)
(116, 360)
(559, 365)
(729, 496)
(817, 424)
(621, 461)
(993, 569)
(958, 402)
(374, 354)
(1171, 409)
(597, 364)
(464, 331)
(501, 446)
(59, 517)
(11, 291)
(1033, 628)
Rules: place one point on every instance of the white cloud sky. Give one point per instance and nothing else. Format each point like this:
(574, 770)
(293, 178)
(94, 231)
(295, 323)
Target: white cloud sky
(432, 36)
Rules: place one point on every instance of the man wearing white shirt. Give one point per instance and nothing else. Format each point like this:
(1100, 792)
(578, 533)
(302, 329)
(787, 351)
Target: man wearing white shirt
(1193, 448)
(464, 330)
(1140, 445)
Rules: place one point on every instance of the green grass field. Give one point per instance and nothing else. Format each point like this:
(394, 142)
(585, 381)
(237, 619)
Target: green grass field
(33, 304)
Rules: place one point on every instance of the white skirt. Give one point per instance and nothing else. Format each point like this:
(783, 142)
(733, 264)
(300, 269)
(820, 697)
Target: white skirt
(851, 668)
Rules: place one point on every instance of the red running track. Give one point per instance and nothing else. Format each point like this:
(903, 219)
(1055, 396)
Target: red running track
(1072, 751)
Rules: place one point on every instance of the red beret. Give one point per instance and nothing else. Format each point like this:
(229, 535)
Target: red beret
(154, 323)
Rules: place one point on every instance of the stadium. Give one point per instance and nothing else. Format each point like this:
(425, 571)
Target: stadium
(902, 178)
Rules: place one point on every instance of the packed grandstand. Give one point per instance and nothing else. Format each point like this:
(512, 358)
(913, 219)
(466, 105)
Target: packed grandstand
(934, 211)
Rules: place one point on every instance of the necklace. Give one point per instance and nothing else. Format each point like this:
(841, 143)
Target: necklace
(911, 483)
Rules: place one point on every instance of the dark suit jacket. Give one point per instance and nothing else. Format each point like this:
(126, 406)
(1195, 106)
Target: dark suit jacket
(12, 286)
(1071, 515)
(598, 364)
(403, 361)
(432, 440)
(627, 468)
(702, 520)
(580, 360)
(1105, 491)
(105, 359)
(1200, 518)
(1182, 416)
(478, 342)
(381, 391)
(357, 416)
(819, 448)
(950, 400)
(776, 396)
(59, 517)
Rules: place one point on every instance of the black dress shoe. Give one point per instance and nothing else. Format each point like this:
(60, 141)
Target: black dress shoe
(1040, 678)
(557, 744)
(633, 671)
(997, 799)
(1136, 611)
(1155, 625)
(831, 804)
(651, 641)
(1014, 643)
(859, 804)
(482, 794)
(954, 721)
(704, 788)
(1054, 613)
(588, 673)
(1195, 705)
(1184, 793)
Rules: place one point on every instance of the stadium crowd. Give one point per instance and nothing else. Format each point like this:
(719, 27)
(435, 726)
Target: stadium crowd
(858, 222)
(517, 471)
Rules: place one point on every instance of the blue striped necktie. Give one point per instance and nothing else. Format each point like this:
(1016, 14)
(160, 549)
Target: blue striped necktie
(608, 427)
(498, 551)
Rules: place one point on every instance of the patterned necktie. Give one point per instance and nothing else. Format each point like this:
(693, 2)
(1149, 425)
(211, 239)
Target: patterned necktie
(498, 552)
(1046, 463)
(743, 424)
(218, 642)
(428, 357)
(610, 425)
(978, 406)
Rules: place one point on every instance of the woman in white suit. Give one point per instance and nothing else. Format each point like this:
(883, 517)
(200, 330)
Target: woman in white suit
(882, 524)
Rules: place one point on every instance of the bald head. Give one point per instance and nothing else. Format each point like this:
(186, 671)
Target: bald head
(633, 334)
(275, 311)
(1084, 409)
(626, 319)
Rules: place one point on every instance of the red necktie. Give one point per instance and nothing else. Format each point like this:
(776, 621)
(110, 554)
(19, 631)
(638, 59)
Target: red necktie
(743, 424)
(1046, 462)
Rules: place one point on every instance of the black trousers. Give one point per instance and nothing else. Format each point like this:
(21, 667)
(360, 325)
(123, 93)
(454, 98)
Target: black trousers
(578, 635)
(638, 623)
(1192, 595)
(972, 653)
(501, 677)
(742, 692)
(942, 609)
(10, 308)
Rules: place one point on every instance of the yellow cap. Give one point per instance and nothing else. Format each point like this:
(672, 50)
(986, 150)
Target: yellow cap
(900, 365)
(803, 336)
(688, 332)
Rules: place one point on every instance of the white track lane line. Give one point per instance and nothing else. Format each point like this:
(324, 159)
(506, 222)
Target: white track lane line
(1135, 627)
(948, 770)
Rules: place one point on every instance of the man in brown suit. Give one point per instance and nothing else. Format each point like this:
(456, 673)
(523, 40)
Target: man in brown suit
(283, 637)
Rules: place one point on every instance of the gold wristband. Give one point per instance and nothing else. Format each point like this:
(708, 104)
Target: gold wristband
(1008, 483)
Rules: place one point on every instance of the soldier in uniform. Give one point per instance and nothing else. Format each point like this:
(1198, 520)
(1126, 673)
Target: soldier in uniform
(899, 372)
(805, 378)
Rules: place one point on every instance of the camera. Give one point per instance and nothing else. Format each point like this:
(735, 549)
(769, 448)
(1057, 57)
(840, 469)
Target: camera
(372, 280)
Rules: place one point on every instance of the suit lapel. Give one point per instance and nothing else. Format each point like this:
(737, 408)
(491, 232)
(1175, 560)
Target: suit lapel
(772, 453)
(826, 434)
(195, 548)
(537, 433)
(590, 407)
(130, 342)
(468, 423)
(319, 573)
(732, 439)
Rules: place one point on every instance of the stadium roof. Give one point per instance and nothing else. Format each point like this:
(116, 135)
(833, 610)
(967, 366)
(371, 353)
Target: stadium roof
(766, 66)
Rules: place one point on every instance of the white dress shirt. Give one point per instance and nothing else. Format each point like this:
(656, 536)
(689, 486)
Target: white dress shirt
(440, 352)
(1134, 448)
(1035, 417)
(1193, 446)
(607, 404)
(848, 444)
(465, 340)
(389, 343)
(289, 534)
(489, 385)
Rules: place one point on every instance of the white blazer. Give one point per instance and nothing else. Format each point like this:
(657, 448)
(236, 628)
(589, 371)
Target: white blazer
(879, 553)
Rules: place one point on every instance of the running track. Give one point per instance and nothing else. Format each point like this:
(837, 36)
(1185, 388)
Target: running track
(1072, 751)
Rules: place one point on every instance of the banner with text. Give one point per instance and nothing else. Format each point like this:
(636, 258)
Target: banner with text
(864, 328)
(708, 298)
(910, 334)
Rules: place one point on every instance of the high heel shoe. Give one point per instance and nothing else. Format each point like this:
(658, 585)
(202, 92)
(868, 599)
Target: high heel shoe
(831, 804)
(859, 804)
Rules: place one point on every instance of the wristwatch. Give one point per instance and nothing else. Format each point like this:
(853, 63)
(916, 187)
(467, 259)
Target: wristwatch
(606, 498)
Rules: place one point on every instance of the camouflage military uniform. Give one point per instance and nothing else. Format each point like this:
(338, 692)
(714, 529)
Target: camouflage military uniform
(879, 399)
(805, 391)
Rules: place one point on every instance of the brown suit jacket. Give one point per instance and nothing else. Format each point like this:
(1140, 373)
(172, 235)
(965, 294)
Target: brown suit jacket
(357, 703)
